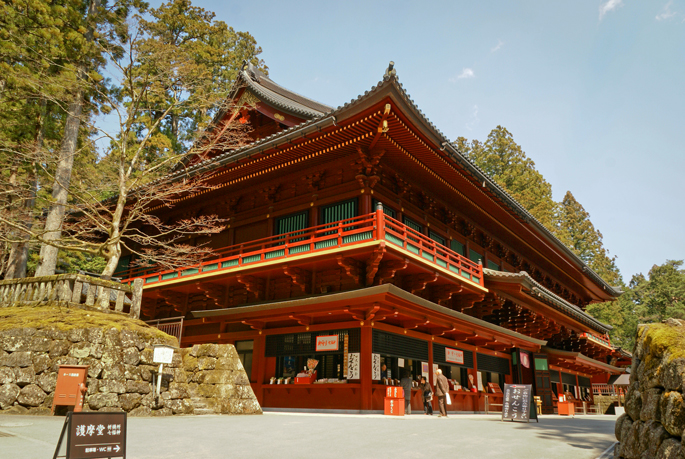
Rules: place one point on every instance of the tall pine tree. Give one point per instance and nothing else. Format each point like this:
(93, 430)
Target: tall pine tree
(507, 164)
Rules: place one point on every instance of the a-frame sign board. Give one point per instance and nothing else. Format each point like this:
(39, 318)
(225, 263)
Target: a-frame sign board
(517, 404)
(93, 436)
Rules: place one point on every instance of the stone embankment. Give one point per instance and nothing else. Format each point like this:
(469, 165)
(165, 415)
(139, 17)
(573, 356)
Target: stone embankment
(205, 379)
(654, 421)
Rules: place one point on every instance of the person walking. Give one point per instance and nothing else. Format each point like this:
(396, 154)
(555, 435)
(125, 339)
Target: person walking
(441, 390)
(405, 382)
(427, 395)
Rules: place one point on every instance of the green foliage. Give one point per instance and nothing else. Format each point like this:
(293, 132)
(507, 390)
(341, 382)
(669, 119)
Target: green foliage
(507, 164)
(659, 296)
(584, 240)
(209, 55)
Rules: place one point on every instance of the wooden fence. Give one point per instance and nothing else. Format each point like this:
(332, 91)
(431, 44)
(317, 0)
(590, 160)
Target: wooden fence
(75, 289)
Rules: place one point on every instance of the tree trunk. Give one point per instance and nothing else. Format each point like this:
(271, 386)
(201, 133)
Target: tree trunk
(19, 255)
(60, 188)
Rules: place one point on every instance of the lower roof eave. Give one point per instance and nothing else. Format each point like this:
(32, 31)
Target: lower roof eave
(582, 359)
(385, 289)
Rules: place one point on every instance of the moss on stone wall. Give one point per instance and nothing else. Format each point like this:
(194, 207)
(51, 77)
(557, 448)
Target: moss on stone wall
(55, 315)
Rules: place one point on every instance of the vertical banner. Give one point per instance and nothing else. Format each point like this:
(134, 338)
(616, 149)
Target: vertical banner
(480, 382)
(376, 366)
(353, 365)
(435, 373)
(424, 370)
(345, 356)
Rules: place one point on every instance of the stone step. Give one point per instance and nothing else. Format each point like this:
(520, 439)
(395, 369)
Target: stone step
(201, 411)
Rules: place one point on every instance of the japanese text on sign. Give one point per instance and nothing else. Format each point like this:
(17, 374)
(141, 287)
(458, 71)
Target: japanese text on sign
(327, 343)
(516, 403)
(454, 356)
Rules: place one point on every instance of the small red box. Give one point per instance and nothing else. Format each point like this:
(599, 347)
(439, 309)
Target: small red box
(394, 392)
(306, 379)
(394, 407)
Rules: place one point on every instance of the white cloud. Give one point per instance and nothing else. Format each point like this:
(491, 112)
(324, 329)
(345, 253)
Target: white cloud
(666, 12)
(609, 5)
(499, 45)
(466, 73)
(473, 122)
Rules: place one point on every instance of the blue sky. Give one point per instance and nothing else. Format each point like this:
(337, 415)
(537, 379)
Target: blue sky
(592, 90)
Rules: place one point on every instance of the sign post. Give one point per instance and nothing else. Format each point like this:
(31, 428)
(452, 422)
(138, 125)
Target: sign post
(93, 435)
(161, 354)
(517, 403)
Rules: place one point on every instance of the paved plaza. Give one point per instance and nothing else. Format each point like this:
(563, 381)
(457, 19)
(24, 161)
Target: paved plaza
(321, 436)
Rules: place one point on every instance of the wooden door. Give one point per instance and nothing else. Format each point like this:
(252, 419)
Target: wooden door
(543, 386)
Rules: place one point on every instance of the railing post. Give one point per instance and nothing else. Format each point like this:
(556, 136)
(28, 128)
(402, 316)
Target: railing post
(136, 298)
(380, 222)
(78, 291)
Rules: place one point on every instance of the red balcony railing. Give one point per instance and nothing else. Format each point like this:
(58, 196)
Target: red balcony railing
(344, 233)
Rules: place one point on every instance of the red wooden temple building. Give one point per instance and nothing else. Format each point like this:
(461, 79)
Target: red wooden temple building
(359, 236)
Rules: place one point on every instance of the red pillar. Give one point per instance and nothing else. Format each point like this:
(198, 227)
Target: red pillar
(366, 366)
(365, 204)
(259, 365)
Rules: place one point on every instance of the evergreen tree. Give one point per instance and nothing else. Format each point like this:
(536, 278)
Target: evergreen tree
(507, 164)
(585, 241)
(214, 52)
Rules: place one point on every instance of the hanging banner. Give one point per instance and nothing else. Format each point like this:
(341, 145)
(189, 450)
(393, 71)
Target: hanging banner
(424, 369)
(525, 360)
(454, 356)
(376, 366)
(327, 343)
(353, 365)
(435, 373)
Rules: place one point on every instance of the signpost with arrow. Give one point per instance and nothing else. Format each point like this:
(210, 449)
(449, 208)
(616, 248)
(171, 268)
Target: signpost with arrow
(93, 435)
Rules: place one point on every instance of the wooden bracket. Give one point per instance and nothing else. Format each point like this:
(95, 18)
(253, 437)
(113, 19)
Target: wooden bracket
(352, 267)
(252, 284)
(443, 293)
(373, 263)
(300, 277)
(301, 319)
(418, 283)
(255, 324)
(387, 270)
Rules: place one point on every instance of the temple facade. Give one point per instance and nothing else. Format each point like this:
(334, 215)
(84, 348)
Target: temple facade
(359, 237)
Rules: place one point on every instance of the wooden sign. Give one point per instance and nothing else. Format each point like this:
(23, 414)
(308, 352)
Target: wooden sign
(517, 403)
(454, 356)
(94, 435)
(327, 343)
(494, 388)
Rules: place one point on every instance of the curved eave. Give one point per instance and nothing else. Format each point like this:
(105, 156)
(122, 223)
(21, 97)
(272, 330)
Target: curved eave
(582, 359)
(537, 291)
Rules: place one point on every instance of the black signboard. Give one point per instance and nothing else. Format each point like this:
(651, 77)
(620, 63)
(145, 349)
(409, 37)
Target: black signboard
(517, 403)
(94, 436)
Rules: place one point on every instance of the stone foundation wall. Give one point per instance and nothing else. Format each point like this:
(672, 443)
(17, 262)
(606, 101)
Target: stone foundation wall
(205, 379)
(653, 424)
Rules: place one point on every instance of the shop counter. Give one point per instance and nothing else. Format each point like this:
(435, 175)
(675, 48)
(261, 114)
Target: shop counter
(332, 396)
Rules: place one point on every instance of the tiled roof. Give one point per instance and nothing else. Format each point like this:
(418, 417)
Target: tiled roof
(267, 90)
(390, 78)
(549, 297)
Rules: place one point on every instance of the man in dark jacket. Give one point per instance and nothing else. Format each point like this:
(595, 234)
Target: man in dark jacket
(441, 390)
(405, 382)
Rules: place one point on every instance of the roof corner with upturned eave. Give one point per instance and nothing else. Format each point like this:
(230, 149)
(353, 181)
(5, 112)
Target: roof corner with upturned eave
(269, 92)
